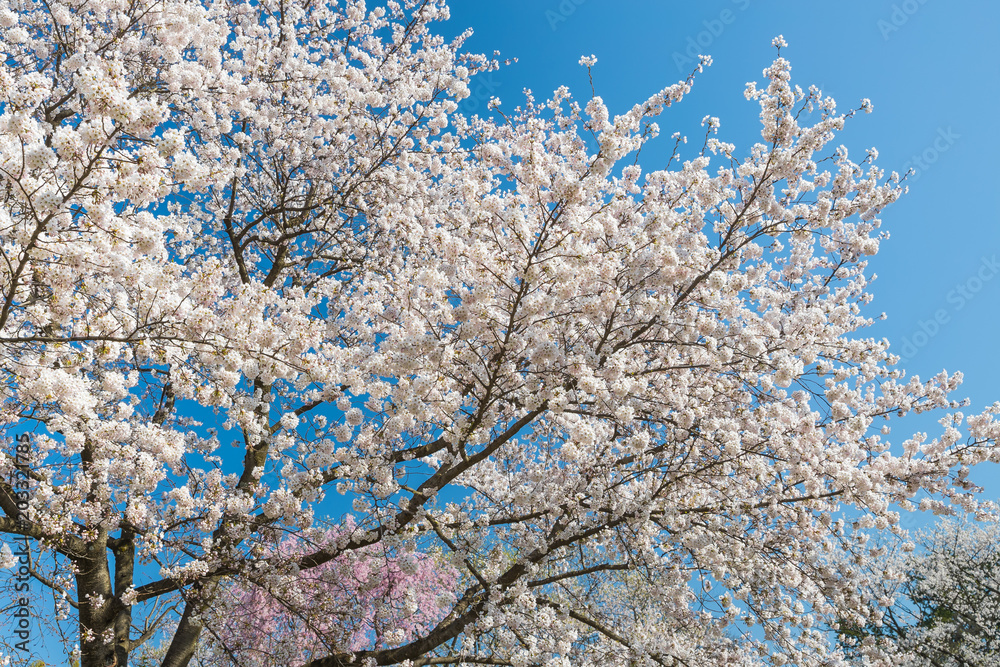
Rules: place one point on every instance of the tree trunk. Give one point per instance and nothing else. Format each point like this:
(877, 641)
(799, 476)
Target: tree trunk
(124, 569)
(185, 639)
(97, 604)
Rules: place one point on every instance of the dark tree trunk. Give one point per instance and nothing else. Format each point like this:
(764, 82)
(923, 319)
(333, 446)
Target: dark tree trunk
(124, 570)
(185, 639)
(93, 579)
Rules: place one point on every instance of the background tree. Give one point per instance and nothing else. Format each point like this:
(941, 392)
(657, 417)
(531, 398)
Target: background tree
(361, 598)
(629, 409)
(358, 600)
(947, 599)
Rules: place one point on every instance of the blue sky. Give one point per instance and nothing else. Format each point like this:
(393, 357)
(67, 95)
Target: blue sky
(932, 71)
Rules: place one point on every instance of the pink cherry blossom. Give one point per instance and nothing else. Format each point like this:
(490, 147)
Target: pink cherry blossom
(355, 601)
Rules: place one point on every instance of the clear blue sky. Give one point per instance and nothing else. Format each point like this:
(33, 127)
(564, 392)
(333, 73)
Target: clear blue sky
(932, 70)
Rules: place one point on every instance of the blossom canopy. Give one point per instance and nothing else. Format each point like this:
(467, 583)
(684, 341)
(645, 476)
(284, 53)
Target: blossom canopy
(627, 413)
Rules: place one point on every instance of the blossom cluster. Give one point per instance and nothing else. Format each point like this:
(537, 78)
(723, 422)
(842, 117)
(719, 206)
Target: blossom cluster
(358, 599)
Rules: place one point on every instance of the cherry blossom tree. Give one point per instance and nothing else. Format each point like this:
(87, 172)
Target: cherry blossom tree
(946, 593)
(634, 411)
(360, 598)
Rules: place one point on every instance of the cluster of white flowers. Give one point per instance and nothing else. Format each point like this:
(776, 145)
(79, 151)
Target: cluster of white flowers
(7, 558)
